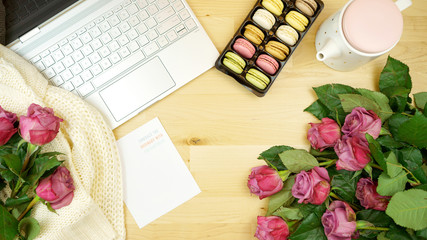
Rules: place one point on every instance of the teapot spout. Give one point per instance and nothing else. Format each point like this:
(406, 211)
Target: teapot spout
(329, 50)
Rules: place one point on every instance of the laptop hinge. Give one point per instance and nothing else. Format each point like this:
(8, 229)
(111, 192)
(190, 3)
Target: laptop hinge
(29, 34)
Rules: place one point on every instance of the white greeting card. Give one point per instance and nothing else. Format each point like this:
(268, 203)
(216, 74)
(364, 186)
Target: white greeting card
(155, 178)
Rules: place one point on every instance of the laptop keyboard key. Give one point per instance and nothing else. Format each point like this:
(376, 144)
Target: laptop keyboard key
(77, 81)
(85, 89)
(48, 61)
(151, 48)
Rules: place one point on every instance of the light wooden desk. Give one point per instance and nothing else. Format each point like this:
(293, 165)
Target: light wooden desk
(219, 127)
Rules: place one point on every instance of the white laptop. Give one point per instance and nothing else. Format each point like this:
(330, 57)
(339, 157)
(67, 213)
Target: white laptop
(121, 56)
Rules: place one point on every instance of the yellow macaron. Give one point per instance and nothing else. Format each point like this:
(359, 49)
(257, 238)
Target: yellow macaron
(297, 20)
(253, 34)
(277, 49)
(274, 6)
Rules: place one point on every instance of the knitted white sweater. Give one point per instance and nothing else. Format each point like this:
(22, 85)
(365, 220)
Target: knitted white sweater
(96, 211)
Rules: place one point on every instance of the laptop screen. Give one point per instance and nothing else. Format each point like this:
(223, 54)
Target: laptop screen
(24, 15)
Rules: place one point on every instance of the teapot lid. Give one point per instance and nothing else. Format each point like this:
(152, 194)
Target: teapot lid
(372, 26)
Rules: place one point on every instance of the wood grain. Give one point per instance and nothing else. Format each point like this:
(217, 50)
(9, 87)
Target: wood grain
(219, 127)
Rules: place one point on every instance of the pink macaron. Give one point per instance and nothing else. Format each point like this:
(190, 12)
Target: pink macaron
(244, 48)
(267, 63)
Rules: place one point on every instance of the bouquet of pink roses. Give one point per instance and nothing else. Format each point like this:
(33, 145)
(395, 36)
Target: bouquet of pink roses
(27, 175)
(365, 176)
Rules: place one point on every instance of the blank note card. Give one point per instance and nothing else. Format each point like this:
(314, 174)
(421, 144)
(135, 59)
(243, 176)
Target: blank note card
(155, 178)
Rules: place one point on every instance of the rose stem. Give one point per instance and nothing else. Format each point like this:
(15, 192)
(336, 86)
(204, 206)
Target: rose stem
(327, 163)
(30, 205)
(375, 166)
(374, 228)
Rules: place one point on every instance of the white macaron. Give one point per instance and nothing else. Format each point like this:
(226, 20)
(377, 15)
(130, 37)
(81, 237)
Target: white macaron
(264, 18)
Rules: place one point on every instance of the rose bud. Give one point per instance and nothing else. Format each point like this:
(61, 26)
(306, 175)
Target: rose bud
(264, 181)
(7, 128)
(312, 186)
(339, 221)
(40, 126)
(367, 194)
(324, 135)
(353, 153)
(57, 189)
(360, 121)
(271, 228)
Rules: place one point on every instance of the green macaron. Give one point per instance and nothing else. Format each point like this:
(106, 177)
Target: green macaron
(257, 78)
(234, 62)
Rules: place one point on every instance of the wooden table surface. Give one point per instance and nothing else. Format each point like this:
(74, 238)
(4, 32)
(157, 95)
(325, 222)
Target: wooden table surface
(219, 127)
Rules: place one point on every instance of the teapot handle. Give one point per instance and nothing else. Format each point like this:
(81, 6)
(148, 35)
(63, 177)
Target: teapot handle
(403, 4)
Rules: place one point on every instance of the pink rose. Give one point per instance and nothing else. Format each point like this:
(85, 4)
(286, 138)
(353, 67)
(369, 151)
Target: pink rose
(7, 128)
(339, 221)
(324, 135)
(367, 194)
(264, 181)
(40, 126)
(353, 153)
(312, 186)
(57, 189)
(360, 121)
(271, 228)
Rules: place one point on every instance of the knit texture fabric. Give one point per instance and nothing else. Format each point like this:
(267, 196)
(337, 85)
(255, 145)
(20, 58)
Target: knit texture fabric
(91, 155)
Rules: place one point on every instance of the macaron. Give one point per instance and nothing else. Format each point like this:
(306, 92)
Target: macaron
(257, 78)
(267, 63)
(308, 7)
(264, 18)
(234, 62)
(244, 48)
(297, 20)
(254, 34)
(274, 6)
(277, 49)
(287, 34)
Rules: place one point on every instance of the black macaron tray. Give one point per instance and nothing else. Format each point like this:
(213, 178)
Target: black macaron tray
(289, 5)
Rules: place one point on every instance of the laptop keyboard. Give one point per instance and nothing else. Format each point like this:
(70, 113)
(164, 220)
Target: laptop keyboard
(134, 30)
(18, 10)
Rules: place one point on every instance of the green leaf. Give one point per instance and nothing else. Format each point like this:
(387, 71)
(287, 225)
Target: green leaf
(12, 202)
(382, 101)
(271, 157)
(412, 159)
(41, 165)
(409, 209)
(389, 142)
(350, 101)
(14, 163)
(395, 74)
(282, 198)
(318, 110)
(328, 96)
(414, 131)
(394, 168)
(376, 152)
(298, 159)
(394, 124)
(9, 225)
(288, 213)
(6, 174)
(311, 227)
(422, 233)
(420, 99)
(388, 186)
(30, 227)
(400, 233)
(377, 218)
(345, 184)
(382, 236)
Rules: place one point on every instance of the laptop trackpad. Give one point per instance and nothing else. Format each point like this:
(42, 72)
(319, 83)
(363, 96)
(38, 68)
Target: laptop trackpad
(137, 88)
